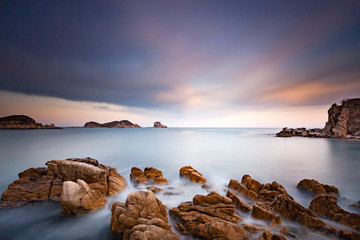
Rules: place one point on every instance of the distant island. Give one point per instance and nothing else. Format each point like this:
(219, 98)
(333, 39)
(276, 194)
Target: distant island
(23, 122)
(159, 125)
(114, 124)
(343, 122)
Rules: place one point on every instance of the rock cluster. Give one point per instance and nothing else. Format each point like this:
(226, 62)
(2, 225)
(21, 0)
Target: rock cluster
(314, 187)
(22, 122)
(142, 216)
(267, 235)
(73, 182)
(159, 125)
(150, 175)
(209, 217)
(114, 124)
(343, 122)
(191, 174)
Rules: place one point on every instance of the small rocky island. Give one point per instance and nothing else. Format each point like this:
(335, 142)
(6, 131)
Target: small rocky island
(22, 122)
(114, 124)
(343, 122)
(159, 125)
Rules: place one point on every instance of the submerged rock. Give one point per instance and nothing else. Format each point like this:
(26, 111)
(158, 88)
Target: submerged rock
(209, 217)
(142, 216)
(192, 174)
(149, 176)
(22, 122)
(313, 186)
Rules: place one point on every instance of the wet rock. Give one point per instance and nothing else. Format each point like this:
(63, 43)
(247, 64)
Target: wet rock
(116, 182)
(241, 188)
(78, 198)
(155, 189)
(192, 174)
(252, 228)
(261, 211)
(266, 235)
(149, 176)
(326, 206)
(142, 216)
(240, 205)
(285, 231)
(209, 217)
(251, 183)
(270, 190)
(56, 189)
(313, 186)
(34, 185)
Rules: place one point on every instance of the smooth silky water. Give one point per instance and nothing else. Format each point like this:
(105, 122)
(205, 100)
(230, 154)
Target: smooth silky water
(218, 153)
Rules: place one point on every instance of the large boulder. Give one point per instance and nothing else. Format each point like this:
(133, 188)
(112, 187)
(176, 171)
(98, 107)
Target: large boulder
(314, 187)
(78, 198)
(326, 206)
(209, 217)
(142, 216)
(192, 174)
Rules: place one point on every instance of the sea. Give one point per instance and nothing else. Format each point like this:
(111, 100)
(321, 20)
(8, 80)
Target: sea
(220, 154)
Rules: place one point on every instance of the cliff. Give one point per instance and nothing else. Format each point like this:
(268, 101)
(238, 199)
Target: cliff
(22, 122)
(159, 125)
(114, 124)
(343, 122)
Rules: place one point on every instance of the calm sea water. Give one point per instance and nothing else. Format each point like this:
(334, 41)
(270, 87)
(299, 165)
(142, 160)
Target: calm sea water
(219, 153)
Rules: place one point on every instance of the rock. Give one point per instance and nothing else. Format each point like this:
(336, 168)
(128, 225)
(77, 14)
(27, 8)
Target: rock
(269, 191)
(239, 187)
(266, 235)
(326, 206)
(56, 189)
(114, 124)
(355, 205)
(209, 217)
(159, 125)
(142, 216)
(78, 198)
(22, 122)
(116, 182)
(240, 205)
(191, 174)
(313, 186)
(261, 211)
(251, 184)
(285, 231)
(88, 160)
(149, 176)
(252, 228)
(155, 189)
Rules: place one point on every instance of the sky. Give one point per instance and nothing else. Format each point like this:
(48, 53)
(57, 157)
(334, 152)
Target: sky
(184, 63)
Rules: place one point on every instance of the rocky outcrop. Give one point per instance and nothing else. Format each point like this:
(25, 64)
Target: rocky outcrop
(22, 122)
(314, 187)
(209, 217)
(267, 235)
(150, 175)
(343, 122)
(142, 216)
(39, 184)
(159, 125)
(260, 211)
(191, 174)
(240, 205)
(77, 198)
(114, 124)
(326, 206)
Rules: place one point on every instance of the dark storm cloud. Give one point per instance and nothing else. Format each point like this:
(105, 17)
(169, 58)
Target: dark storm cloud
(166, 54)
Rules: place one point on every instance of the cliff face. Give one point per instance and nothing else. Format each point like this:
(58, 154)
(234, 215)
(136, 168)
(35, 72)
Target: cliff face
(344, 119)
(114, 124)
(22, 122)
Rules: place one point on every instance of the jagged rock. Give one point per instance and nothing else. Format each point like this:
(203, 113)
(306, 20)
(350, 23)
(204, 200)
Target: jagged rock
(266, 235)
(269, 191)
(159, 125)
(191, 174)
(114, 124)
(56, 189)
(78, 198)
(149, 176)
(285, 231)
(142, 216)
(243, 207)
(22, 122)
(261, 211)
(252, 228)
(34, 185)
(326, 206)
(239, 187)
(251, 183)
(209, 217)
(316, 188)
(155, 189)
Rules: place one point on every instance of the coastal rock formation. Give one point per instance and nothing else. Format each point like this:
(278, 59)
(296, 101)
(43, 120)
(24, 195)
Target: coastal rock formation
(39, 184)
(209, 217)
(78, 198)
(191, 174)
(267, 235)
(241, 188)
(159, 125)
(260, 211)
(114, 124)
(326, 206)
(313, 186)
(240, 205)
(149, 176)
(142, 216)
(343, 122)
(22, 122)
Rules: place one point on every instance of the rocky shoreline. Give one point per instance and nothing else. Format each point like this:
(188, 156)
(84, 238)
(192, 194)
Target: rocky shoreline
(82, 185)
(23, 122)
(343, 122)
